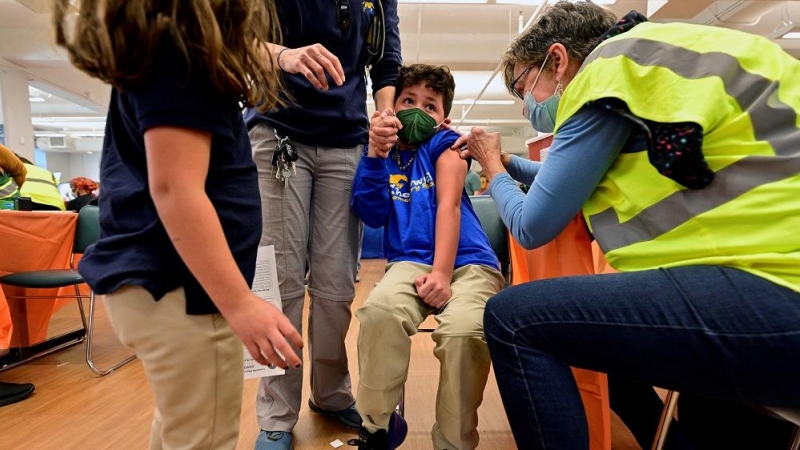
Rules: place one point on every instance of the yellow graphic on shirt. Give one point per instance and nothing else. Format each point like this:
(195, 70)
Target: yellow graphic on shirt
(397, 180)
(368, 6)
(400, 187)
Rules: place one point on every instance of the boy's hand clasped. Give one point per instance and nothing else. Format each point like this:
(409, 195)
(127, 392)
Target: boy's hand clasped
(383, 128)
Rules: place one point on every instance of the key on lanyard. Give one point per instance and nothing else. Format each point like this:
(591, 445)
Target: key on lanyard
(283, 159)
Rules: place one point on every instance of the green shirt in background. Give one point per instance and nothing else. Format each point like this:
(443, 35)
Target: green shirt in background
(473, 183)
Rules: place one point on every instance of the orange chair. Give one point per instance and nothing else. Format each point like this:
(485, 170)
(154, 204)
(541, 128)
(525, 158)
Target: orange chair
(570, 253)
(86, 233)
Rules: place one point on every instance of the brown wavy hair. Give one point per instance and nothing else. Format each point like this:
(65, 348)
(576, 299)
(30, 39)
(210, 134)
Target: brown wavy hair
(114, 40)
(437, 78)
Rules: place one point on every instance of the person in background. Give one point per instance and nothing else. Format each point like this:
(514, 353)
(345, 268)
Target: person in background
(472, 184)
(83, 189)
(484, 185)
(306, 210)
(12, 174)
(180, 211)
(41, 187)
(693, 202)
(439, 262)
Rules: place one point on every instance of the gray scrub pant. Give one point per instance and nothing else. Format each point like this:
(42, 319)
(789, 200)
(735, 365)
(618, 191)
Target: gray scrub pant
(310, 221)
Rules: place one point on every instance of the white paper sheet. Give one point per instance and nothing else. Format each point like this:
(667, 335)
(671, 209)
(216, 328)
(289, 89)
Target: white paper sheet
(265, 285)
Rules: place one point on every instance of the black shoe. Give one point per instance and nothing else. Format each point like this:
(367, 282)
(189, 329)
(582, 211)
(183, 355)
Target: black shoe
(382, 439)
(14, 392)
(348, 417)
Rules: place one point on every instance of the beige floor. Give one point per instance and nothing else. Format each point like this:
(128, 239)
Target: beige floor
(74, 409)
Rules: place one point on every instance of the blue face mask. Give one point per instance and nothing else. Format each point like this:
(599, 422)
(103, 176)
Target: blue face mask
(542, 115)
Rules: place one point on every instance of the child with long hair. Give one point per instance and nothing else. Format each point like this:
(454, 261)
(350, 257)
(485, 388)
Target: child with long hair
(180, 210)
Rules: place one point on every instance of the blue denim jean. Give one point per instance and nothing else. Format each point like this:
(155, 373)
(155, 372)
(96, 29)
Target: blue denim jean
(715, 331)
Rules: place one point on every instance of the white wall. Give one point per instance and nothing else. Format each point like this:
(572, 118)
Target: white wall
(16, 111)
(73, 165)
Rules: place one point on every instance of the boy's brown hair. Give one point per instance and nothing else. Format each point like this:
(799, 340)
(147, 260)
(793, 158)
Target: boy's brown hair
(437, 78)
(115, 40)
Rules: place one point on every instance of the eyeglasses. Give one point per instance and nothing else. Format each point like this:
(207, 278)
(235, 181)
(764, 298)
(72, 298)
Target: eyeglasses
(514, 89)
(343, 17)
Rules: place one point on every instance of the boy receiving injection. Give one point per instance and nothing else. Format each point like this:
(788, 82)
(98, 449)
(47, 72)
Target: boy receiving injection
(439, 262)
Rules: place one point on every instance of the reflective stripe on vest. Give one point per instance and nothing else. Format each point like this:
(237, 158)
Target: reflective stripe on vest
(9, 189)
(37, 180)
(773, 121)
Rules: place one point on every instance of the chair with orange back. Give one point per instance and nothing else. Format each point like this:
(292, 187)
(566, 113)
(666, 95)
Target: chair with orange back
(86, 233)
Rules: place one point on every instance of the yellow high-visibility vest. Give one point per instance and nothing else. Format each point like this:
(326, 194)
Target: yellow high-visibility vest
(41, 187)
(8, 187)
(744, 91)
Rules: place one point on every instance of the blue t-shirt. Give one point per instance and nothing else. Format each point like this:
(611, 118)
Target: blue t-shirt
(404, 203)
(134, 248)
(336, 117)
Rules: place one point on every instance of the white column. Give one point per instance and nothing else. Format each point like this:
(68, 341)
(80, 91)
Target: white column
(16, 111)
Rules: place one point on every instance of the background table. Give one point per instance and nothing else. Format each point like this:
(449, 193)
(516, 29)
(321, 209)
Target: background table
(32, 240)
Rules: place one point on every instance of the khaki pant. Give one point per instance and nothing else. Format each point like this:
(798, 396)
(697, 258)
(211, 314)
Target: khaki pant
(391, 315)
(193, 365)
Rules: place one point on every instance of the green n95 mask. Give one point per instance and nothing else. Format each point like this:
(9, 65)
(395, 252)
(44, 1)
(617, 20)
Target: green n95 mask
(418, 126)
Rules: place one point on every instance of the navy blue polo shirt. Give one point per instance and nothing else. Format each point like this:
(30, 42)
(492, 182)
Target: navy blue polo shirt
(134, 248)
(336, 117)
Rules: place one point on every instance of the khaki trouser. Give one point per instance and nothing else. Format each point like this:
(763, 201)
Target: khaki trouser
(193, 365)
(391, 315)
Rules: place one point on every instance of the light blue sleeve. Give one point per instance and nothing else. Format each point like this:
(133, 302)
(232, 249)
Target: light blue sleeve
(584, 148)
(523, 170)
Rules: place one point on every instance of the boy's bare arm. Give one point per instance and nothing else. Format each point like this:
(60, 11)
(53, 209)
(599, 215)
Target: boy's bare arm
(434, 288)
(177, 166)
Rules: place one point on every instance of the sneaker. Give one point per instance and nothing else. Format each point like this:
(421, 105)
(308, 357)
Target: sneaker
(382, 439)
(348, 417)
(274, 440)
(13, 392)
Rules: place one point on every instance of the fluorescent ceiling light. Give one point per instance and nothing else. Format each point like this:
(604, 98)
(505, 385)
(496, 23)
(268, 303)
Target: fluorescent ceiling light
(469, 101)
(36, 99)
(539, 2)
(791, 35)
(442, 1)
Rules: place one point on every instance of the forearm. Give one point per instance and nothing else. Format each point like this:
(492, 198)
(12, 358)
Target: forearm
(521, 169)
(448, 225)
(192, 225)
(12, 165)
(370, 198)
(384, 98)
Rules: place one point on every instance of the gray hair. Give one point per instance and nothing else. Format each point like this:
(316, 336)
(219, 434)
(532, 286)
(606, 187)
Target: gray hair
(578, 26)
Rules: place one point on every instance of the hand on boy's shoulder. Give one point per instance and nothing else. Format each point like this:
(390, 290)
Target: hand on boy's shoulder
(443, 140)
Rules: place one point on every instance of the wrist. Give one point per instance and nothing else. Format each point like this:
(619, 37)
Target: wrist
(505, 158)
(493, 169)
(278, 58)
